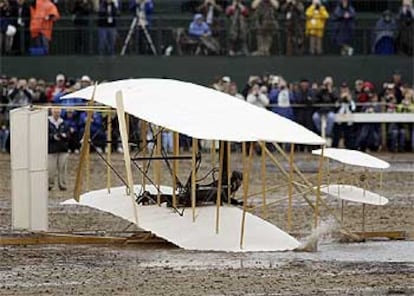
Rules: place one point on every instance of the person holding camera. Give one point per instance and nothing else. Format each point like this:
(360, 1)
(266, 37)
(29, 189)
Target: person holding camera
(344, 15)
(294, 16)
(58, 150)
(238, 13)
(257, 97)
(316, 17)
(20, 95)
(345, 130)
(265, 24)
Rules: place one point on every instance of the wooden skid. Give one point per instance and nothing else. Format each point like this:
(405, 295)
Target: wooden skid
(143, 237)
(394, 235)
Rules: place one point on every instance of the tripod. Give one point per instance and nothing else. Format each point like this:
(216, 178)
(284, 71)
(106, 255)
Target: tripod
(139, 20)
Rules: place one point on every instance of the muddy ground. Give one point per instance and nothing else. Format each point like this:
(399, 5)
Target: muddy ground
(148, 270)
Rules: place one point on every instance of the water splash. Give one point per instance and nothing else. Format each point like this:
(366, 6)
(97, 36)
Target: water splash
(322, 233)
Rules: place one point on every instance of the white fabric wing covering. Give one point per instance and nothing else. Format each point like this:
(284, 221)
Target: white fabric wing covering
(353, 157)
(353, 193)
(260, 235)
(198, 111)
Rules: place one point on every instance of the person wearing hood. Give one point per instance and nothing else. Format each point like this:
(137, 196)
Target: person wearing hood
(316, 17)
(405, 35)
(343, 16)
(200, 30)
(383, 37)
(265, 23)
(43, 14)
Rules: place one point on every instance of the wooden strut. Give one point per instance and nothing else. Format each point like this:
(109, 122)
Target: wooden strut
(263, 177)
(85, 148)
(318, 190)
(213, 153)
(289, 214)
(158, 167)
(229, 172)
(246, 176)
(193, 177)
(176, 151)
(109, 151)
(219, 186)
(144, 132)
(125, 146)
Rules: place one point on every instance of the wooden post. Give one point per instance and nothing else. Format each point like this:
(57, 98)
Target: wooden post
(228, 172)
(292, 151)
(125, 146)
(219, 186)
(85, 147)
(213, 153)
(144, 132)
(342, 212)
(108, 150)
(263, 176)
(193, 177)
(318, 190)
(158, 166)
(88, 169)
(246, 172)
(363, 219)
(176, 151)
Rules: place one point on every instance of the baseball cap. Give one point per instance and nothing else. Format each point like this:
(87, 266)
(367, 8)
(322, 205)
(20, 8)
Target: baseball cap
(86, 78)
(60, 77)
(226, 79)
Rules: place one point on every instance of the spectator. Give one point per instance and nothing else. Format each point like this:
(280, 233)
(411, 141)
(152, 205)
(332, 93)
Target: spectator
(325, 96)
(7, 30)
(210, 10)
(316, 16)
(57, 88)
(43, 14)
(407, 106)
(143, 9)
(20, 95)
(405, 35)
(72, 123)
(398, 85)
(343, 16)
(265, 24)
(82, 11)
(294, 16)
(281, 98)
(305, 97)
(370, 133)
(200, 30)
(39, 92)
(366, 92)
(107, 33)
(58, 150)
(234, 92)
(238, 13)
(383, 41)
(346, 105)
(257, 98)
(98, 136)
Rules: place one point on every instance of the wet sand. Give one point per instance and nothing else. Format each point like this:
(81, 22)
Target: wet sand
(356, 269)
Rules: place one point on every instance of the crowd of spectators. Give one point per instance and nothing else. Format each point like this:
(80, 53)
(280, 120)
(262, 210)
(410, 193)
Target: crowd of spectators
(27, 25)
(304, 101)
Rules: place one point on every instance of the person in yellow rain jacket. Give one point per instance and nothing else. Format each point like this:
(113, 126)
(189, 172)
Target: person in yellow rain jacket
(316, 17)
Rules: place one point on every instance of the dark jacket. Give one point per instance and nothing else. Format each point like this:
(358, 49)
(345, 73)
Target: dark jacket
(323, 96)
(343, 27)
(57, 137)
(107, 15)
(20, 15)
(383, 37)
(82, 11)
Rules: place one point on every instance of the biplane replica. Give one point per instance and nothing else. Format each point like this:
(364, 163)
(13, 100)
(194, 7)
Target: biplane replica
(209, 216)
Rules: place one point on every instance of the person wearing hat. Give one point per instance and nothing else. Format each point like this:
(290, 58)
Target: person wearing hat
(200, 30)
(405, 34)
(265, 24)
(85, 81)
(344, 20)
(57, 88)
(383, 42)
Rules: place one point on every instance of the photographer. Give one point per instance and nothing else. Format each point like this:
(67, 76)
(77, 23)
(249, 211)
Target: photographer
(58, 150)
(265, 24)
(327, 97)
(20, 95)
(143, 9)
(294, 16)
(238, 13)
(346, 105)
(257, 98)
(316, 17)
